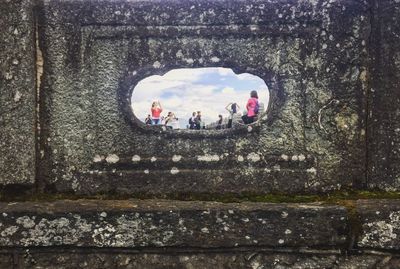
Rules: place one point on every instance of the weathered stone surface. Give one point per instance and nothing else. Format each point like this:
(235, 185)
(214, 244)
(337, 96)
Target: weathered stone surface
(384, 117)
(252, 259)
(6, 261)
(171, 223)
(17, 93)
(380, 220)
(312, 55)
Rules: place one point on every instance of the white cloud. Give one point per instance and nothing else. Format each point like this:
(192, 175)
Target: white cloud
(245, 76)
(228, 90)
(225, 71)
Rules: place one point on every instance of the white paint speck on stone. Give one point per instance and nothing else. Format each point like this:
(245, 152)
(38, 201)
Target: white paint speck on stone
(146, 171)
(249, 129)
(153, 159)
(136, 158)
(215, 59)
(312, 170)
(205, 230)
(174, 170)
(302, 157)
(189, 60)
(179, 54)
(97, 158)
(17, 96)
(277, 167)
(176, 158)
(156, 64)
(284, 157)
(240, 158)
(281, 241)
(288, 231)
(208, 158)
(253, 157)
(103, 214)
(112, 158)
(284, 214)
(295, 158)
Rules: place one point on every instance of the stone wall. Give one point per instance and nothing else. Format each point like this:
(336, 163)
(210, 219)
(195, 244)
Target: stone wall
(313, 55)
(17, 93)
(67, 131)
(176, 234)
(384, 98)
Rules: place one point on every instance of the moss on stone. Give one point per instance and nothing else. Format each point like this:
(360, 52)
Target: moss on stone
(343, 197)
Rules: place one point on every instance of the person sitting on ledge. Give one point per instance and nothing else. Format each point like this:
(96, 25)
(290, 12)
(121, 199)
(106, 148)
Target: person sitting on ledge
(148, 120)
(171, 121)
(252, 107)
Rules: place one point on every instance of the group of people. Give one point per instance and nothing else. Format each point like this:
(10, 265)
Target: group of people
(249, 115)
(156, 119)
(196, 122)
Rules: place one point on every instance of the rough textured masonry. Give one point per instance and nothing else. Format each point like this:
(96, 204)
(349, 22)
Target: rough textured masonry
(313, 55)
(333, 70)
(17, 93)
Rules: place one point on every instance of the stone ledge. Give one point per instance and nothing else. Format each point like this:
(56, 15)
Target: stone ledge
(380, 220)
(256, 259)
(159, 223)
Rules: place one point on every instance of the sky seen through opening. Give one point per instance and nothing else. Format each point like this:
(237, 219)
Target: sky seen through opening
(209, 90)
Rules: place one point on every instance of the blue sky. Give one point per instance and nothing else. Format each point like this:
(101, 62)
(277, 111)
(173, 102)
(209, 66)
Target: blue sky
(209, 90)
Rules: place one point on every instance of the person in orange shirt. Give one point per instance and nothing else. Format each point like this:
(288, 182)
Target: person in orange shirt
(156, 110)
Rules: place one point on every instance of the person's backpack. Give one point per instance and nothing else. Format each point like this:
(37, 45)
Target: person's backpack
(257, 107)
(191, 121)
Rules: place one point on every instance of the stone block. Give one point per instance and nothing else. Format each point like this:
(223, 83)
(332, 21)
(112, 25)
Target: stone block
(380, 224)
(384, 116)
(17, 93)
(6, 261)
(311, 54)
(158, 223)
(239, 259)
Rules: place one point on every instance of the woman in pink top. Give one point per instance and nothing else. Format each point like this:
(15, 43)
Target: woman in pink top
(156, 110)
(252, 108)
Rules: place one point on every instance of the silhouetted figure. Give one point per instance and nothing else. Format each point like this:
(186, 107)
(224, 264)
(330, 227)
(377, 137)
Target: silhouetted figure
(232, 109)
(148, 120)
(219, 122)
(198, 121)
(192, 124)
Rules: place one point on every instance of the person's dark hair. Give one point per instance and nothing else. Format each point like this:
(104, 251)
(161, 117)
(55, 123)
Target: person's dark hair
(194, 114)
(254, 94)
(234, 107)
